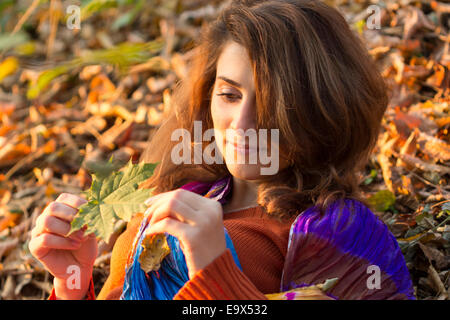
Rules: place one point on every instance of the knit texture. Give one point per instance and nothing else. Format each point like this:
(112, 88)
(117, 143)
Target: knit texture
(344, 244)
(261, 245)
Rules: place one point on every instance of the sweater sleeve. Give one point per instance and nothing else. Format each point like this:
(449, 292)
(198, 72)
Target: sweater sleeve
(352, 244)
(90, 295)
(223, 280)
(220, 280)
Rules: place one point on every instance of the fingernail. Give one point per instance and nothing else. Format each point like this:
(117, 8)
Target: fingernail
(147, 211)
(149, 200)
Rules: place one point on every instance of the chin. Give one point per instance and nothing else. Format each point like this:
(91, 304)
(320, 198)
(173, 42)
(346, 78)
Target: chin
(245, 171)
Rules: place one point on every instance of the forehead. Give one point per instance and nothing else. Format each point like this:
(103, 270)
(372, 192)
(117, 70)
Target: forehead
(234, 63)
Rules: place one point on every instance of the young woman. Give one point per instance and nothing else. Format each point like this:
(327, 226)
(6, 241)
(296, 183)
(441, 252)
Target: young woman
(294, 69)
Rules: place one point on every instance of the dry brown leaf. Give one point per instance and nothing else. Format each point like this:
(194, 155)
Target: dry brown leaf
(422, 165)
(116, 135)
(156, 85)
(415, 21)
(8, 288)
(386, 169)
(154, 117)
(408, 148)
(407, 186)
(7, 245)
(155, 249)
(442, 262)
(106, 109)
(440, 6)
(90, 71)
(440, 77)
(437, 283)
(434, 147)
(9, 220)
(442, 122)
(405, 123)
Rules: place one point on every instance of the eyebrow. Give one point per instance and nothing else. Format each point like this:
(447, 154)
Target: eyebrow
(232, 82)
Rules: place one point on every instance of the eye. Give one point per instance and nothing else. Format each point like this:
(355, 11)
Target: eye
(229, 97)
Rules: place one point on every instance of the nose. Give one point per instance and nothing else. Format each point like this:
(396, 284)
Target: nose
(245, 116)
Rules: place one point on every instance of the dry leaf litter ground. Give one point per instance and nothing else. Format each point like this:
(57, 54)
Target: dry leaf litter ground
(66, 104)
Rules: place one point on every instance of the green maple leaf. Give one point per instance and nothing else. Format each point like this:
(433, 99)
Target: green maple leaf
(112, 197)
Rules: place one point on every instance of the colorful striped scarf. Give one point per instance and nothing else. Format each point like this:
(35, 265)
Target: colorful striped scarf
(173, 273)
(340, 245)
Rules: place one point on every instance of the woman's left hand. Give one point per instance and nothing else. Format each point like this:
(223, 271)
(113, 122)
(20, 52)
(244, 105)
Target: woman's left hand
(196, 222)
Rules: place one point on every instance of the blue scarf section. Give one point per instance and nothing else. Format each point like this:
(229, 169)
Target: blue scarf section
(364, 237)
(173, 273)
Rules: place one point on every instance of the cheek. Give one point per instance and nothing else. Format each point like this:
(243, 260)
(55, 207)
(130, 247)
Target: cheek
(218, 114)
(218, 124)
(222, 117)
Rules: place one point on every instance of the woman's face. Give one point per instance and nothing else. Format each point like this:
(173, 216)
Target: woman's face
(233, 108)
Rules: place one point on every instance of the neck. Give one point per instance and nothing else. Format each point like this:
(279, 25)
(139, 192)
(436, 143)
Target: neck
(244, 195)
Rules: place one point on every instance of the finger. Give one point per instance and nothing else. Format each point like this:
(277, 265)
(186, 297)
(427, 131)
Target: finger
(52, 224)
(153, 198)
(171, 226)
(151, 201)
(192, 199)
(84, 236)
(80, 235)
(60, 210)
(41, 244)
(172, 201)
(174, 208)
(71, 200)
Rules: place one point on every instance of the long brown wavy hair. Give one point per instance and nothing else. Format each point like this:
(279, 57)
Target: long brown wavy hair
(314, 81)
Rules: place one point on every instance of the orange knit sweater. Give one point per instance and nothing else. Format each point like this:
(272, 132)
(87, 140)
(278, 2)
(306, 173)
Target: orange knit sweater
(342, 244)
(260, 243)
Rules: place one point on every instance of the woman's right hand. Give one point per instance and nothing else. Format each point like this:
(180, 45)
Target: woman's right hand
(63, 256)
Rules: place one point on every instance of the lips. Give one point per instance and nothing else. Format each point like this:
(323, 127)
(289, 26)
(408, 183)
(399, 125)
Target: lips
(243, 148)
